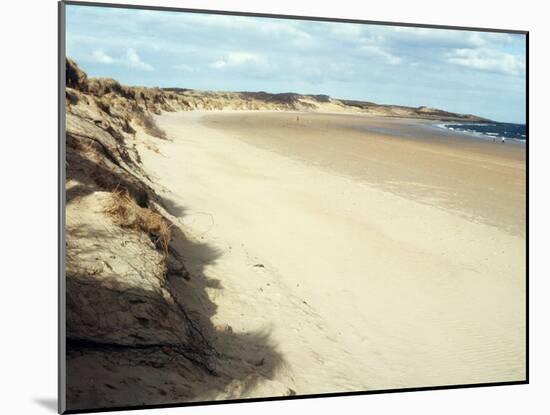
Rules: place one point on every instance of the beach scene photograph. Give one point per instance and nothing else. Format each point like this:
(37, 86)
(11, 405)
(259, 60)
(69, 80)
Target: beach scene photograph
(261, 207)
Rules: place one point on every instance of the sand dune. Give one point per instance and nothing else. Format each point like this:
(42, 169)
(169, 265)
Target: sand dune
(339, 253)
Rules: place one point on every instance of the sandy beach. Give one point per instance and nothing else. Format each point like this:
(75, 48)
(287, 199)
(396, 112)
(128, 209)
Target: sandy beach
(373, 253)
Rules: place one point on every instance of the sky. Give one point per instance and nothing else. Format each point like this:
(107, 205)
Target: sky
(469, 72)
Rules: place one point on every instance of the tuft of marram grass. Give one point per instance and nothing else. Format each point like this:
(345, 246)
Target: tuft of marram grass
(128, 214)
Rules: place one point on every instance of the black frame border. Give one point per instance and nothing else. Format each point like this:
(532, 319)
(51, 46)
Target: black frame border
(61, 207)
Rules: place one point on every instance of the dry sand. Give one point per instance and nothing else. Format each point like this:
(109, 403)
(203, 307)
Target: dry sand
(374, 253)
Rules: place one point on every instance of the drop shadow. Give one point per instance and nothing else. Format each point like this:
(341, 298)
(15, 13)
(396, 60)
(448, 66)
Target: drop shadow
(48, 403)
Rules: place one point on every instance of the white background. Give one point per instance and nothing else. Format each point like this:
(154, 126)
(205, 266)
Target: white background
(28, 164)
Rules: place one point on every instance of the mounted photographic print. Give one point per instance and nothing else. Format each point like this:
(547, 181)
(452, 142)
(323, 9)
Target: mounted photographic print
(258, 207)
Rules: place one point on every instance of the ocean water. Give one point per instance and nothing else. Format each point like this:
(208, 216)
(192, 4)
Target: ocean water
(499, 131)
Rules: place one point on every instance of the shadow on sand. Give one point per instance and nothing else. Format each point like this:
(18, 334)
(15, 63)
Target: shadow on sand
(217, 363)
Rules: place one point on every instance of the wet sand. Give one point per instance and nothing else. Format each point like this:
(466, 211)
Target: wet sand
(409, 157)
(374, 253)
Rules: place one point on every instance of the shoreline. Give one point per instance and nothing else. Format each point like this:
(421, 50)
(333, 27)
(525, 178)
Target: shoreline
(433, 124)
(403, 156)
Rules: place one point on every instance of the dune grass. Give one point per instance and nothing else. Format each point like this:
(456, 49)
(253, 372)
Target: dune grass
(128, 214)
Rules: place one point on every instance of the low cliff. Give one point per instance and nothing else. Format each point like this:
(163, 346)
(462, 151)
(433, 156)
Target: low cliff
(138, 323)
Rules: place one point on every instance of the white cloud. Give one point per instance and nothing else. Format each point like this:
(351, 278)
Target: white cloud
(130, 59)
(100, 56)
(347, 30)
(133, 60)
(424, 37)
(183, 67)
(487, 60)
(235, 59)
(302, 40)
(378, 51)
(218, 64)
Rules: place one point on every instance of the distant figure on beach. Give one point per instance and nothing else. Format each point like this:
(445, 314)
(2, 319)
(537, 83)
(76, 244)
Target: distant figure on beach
(297, 118)
(503, 140)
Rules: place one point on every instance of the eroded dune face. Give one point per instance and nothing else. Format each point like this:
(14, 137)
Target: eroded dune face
(138, 328)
